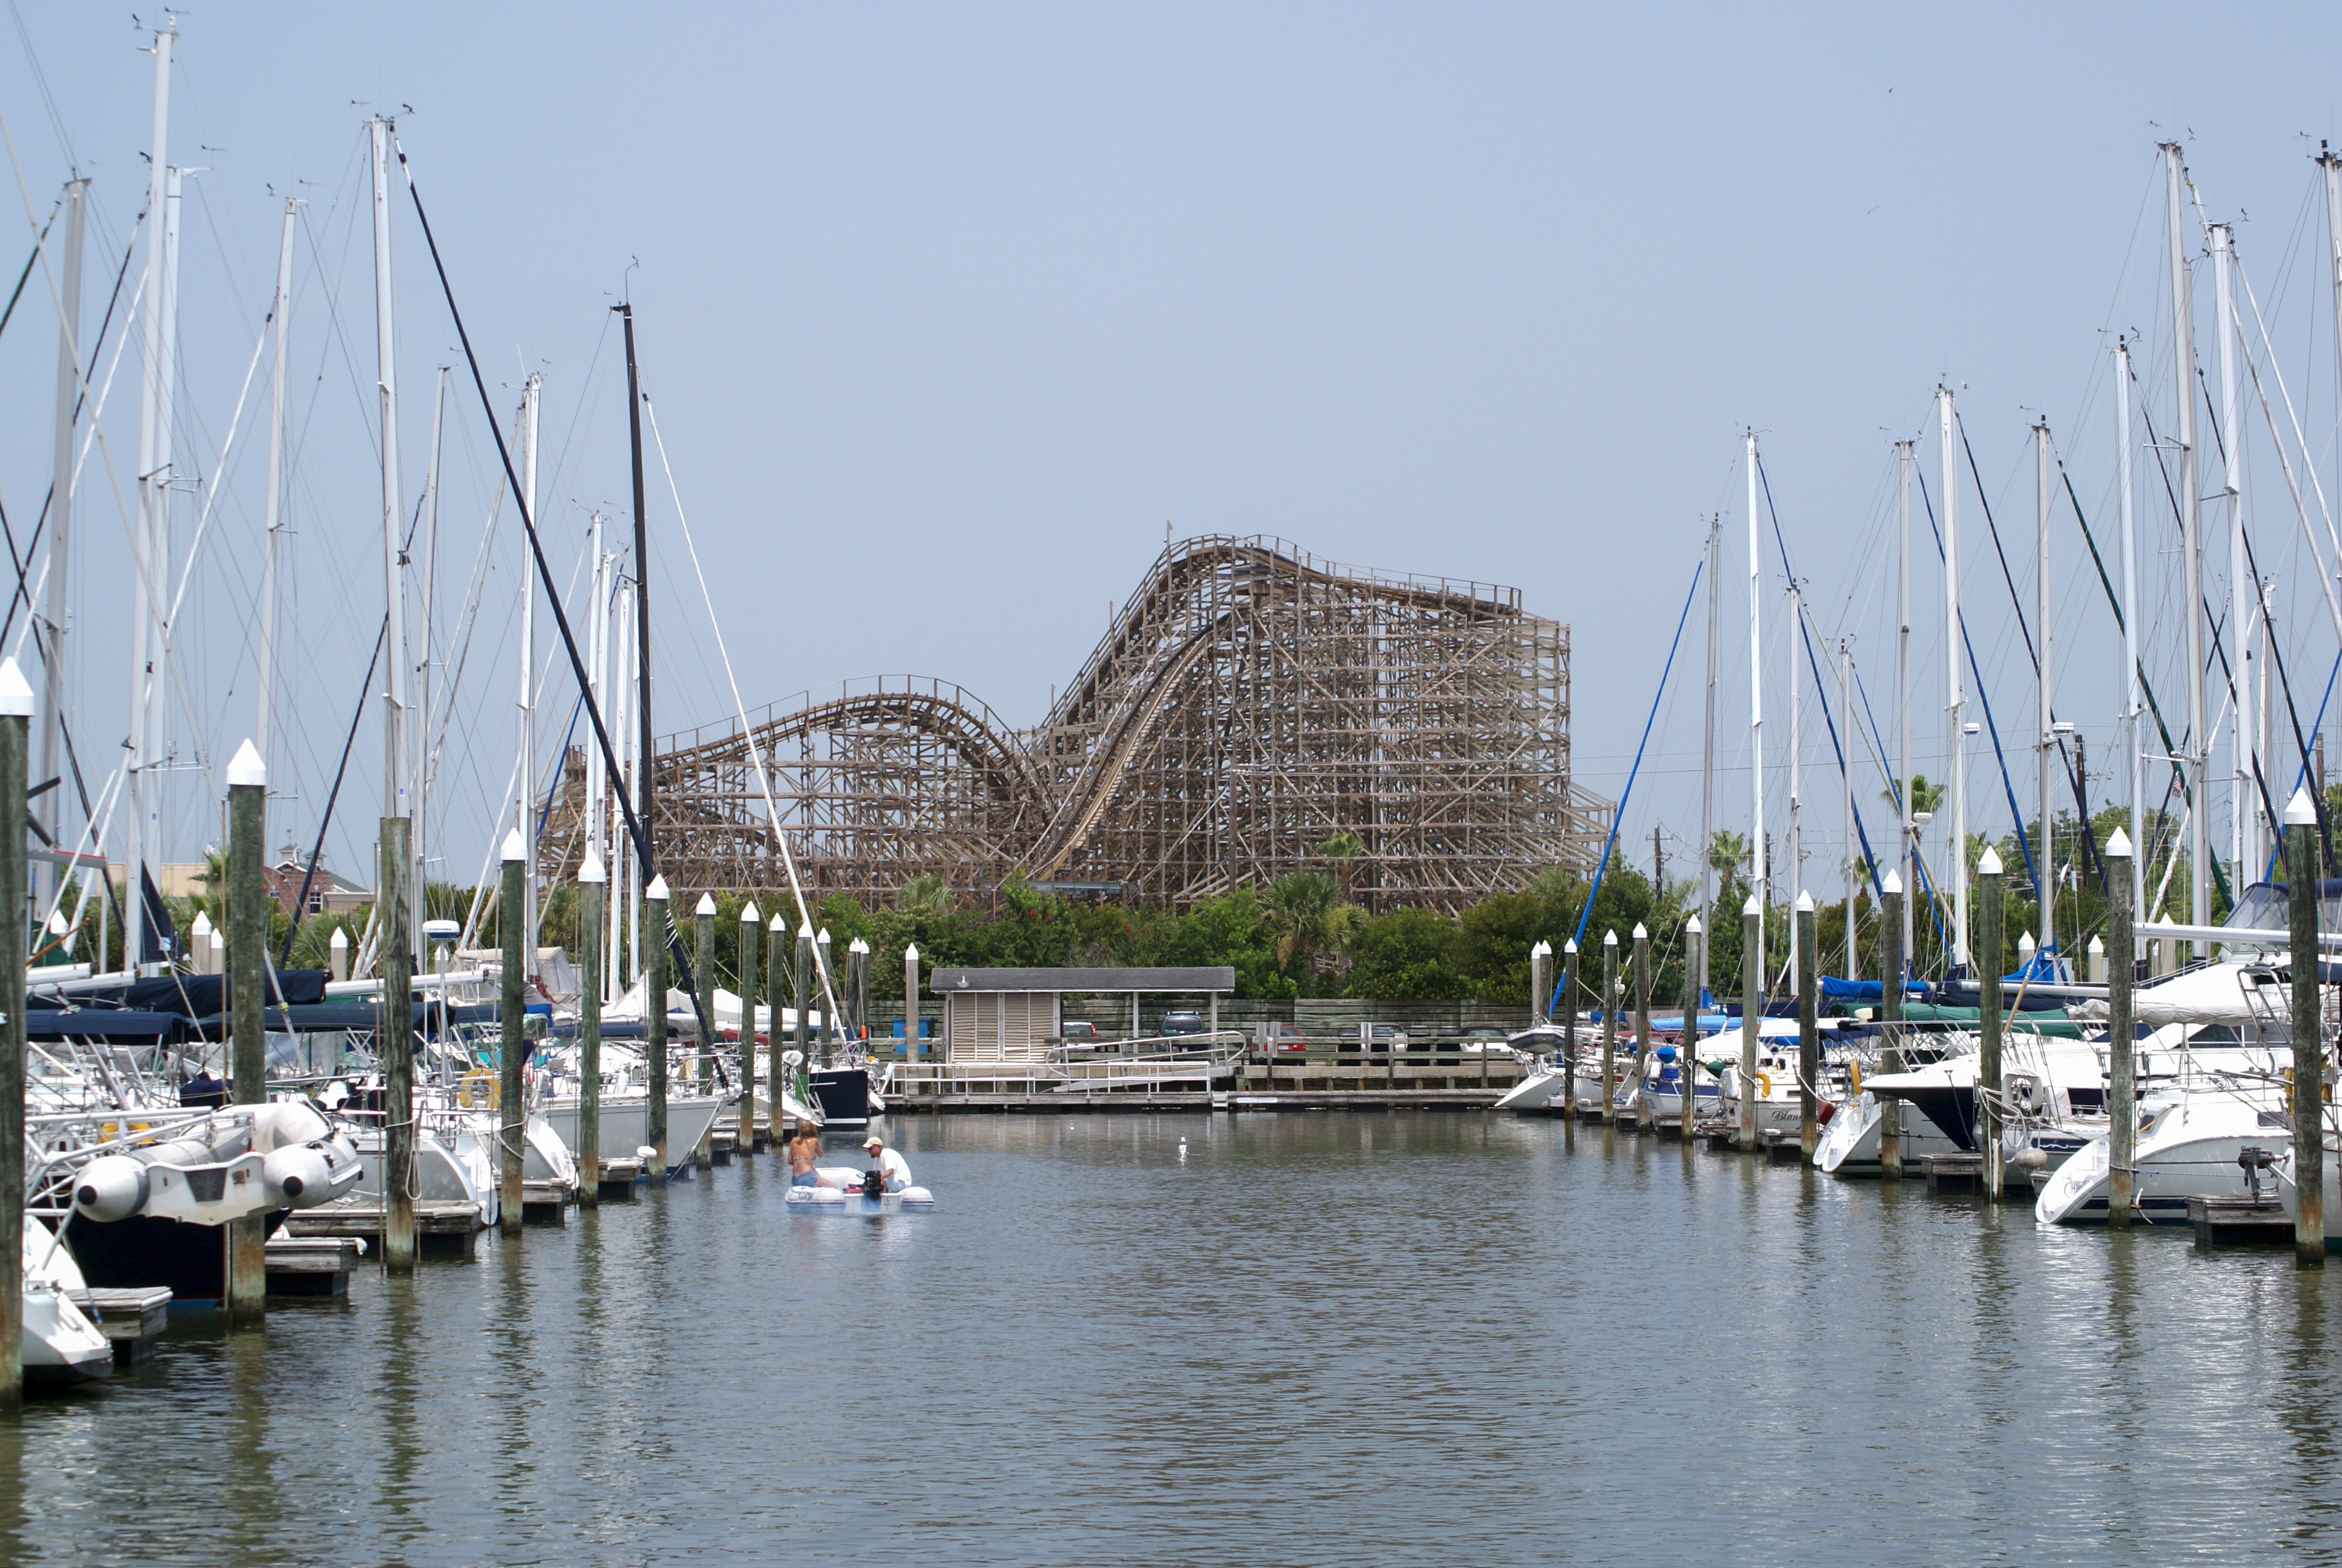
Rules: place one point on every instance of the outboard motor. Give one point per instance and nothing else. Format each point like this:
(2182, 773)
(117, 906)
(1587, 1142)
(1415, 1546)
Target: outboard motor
(2255, 1161)
(874, 1184)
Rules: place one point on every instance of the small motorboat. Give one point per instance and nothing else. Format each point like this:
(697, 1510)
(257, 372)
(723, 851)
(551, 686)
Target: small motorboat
(60, 1345)
(845, 1190)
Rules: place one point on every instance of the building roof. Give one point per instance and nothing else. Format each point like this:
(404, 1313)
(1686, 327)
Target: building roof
(1208, 977)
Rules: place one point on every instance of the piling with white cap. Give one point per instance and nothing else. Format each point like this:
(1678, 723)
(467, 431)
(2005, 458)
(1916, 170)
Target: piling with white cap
(703, 999)
(653, 939)
(777, 939)
(2122, 1081)
(247, 797)
(752, 938)
(1609, 1028)
(512, 1041)
(1642, 1024)
(2309, 1058)
(911, 1011)
(1569, 1026)
(591, 879)
(1891, 1018)
(1988, 961)
(16, 735)
(1694, 935)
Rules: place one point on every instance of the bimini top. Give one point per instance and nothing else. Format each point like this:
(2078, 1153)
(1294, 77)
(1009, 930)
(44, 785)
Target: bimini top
(1205, 978)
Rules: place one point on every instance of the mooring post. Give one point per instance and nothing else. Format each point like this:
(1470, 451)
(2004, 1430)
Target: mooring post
(1752, 1013)
(1989, 936)
(752, 938)
(1539, 954)
(1569, 1025)
(1642, 1022)
(803, 1038)
(826, 985)
(1686, 1066)
(1890, 1019)
(2122, 1069)
(15, 737)
(2309, 1035)
(511, 1017)
(776, 1071)
(653, 941)
(591, 876)
(703, 960)
(1609, 1025)
(911, 1016)
(248, 796)
(1810, 1029)
(394, 1041)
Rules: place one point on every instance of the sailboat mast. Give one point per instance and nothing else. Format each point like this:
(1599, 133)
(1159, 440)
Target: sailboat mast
(272, 526)
(525, 815)
(1906, 859)
(1797, 883)
(2195, 746)
(50, 807)
(2045, 851)
(2244, 818)
(597, 643)
(1755, 713)
(1956, 863)
(421, 750)
(644, 765)
(397, 784)
(2133, 701)
(1708, 749)
(153, 489)
(1846, 780)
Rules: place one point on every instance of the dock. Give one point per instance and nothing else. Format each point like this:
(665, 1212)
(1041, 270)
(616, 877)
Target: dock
(131, 1320)
(312, 1267)
(442, 1229)
(2234, 1220)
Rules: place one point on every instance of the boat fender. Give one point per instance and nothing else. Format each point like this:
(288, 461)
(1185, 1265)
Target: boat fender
(1824, 1111)
(2031, 1159)
(111, 1187)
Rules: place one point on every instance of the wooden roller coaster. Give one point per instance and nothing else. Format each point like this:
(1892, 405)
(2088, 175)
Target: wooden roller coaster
(1248, 703)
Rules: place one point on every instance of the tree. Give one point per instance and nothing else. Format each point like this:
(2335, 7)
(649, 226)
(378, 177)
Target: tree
(1728, 852)
(1300, 907)
(1403, 956)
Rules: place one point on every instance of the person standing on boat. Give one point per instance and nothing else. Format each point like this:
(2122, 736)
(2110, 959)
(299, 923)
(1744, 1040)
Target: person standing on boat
(893, 1170)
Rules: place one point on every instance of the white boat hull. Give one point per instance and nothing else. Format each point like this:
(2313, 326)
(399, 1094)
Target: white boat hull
(827, 1202)
(2187, 1151)
(1850, 1141)
(626, 1124)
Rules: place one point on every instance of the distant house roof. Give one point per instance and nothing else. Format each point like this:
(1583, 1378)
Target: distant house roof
(1208, 978)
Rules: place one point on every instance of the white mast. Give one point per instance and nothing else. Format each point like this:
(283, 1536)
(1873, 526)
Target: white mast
(630, 745)
(49, 810)
(1957, 865)
(2133, 702)
(273, 537)
(1846, 778)
(154, 492)
(529, 398)
(397, 781)
(2044, 852)
(423, 625)
(2196, 748)
(1906, 860)
(1707, 743)
(2244, 820)
(1796, 745)
(1755, 709)
(597, 641)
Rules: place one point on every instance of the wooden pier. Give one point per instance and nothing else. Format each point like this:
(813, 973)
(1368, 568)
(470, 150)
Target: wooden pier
(2228, 1220)
(132, 1320)
(313, 1267)
(444, 1228)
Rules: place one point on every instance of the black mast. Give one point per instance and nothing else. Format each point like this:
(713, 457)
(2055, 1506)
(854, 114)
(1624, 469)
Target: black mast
(642, 603)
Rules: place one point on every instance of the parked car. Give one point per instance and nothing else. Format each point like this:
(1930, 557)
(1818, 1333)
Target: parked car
(1279, 1037)
(1079, 1031)
(1182, 1022)
(1385, 1037)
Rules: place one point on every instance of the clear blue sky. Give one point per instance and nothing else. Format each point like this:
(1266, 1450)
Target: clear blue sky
(947, 311)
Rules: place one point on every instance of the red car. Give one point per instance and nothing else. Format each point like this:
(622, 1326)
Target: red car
(1279, 1037)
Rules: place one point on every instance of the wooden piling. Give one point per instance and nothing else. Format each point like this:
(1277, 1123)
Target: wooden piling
(247, 794)
(2122, 1079)
(1569, 1025)
(1891, 1018)
(1809, 1033)
(15, 733)
(1609, 1026)
(777, 939)
(752, 937)
(803, 1036)
(702, 962)
(1990, 934)
(511, 1014)
(653, 941)
(1687, 1063)
(394, 1041)
(2309, 1035)
(1752, 1014)
(911, 1015)
(825, 987)
(1642, 1023)
(591, 878)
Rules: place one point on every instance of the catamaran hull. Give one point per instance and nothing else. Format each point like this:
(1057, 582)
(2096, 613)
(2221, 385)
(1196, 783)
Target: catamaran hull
(2168, 1171)
(1849, 1143)
(144, 1251)
(626, 1124)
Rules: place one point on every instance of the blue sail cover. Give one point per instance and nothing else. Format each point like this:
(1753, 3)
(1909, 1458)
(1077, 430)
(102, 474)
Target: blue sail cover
(1836, 990)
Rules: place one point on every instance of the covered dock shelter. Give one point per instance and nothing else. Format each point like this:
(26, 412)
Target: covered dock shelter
(1017, 1014)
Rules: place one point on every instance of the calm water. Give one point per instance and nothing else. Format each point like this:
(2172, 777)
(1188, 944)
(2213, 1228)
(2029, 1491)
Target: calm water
(1325, 1338)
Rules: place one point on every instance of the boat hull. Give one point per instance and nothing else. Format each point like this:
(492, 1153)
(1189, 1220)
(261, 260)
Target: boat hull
(830, 1202)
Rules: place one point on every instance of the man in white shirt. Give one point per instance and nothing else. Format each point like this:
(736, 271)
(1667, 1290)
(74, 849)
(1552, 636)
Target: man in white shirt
(893, 1170)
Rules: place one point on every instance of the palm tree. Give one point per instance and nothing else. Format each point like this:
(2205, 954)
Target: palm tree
(1342, 846)
(1301, 907)
(1925, 796)
(928, 894)
(1727, 852)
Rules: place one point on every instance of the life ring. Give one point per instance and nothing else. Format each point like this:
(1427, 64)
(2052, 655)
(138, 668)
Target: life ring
(479, 1091)
(1765, 1084)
